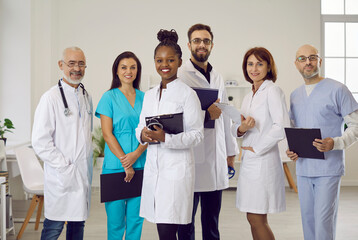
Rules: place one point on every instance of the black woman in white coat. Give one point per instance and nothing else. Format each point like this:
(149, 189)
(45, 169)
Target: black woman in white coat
(168, 182)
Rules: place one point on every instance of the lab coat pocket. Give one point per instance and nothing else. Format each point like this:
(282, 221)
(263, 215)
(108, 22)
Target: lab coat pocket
(251, 166)
(68, 178)
(199, 153)
(150, 171)
(175, 168)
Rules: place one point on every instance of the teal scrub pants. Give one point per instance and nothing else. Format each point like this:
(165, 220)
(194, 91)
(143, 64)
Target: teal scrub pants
(123, 218)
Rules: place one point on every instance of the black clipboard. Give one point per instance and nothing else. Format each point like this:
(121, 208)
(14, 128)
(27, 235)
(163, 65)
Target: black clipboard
(170, 123)
(113, 186)
(207, 96)
(300, 141)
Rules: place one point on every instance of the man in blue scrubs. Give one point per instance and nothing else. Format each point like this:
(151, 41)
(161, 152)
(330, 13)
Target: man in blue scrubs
(326, 104)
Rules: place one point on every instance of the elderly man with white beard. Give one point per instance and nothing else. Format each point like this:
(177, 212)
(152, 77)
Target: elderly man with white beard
(61, 137)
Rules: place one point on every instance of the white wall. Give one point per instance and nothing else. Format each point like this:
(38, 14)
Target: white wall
(103, 29)
(15, 67)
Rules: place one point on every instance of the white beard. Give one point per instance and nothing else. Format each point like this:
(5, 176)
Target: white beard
(68, 79)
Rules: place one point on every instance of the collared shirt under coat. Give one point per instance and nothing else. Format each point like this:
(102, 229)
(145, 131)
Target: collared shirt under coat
(211, 170)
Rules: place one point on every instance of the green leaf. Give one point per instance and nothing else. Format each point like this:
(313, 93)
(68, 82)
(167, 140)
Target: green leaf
(5, 127)
(98, 144)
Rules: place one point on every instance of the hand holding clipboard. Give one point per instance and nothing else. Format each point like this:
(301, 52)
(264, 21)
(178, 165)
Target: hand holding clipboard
(158, 125)
(306, 143)
(207, 97)
(324, 145)
(154, 136)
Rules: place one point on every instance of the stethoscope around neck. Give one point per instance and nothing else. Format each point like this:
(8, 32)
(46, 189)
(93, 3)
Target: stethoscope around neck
(67, 111)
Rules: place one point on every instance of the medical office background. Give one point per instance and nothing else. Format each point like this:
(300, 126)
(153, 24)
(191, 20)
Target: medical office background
(33, 34)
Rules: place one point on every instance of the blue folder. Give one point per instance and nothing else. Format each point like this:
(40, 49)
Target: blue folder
(207, 96)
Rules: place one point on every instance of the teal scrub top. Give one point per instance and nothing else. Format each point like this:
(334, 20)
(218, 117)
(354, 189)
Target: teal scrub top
(125, 119)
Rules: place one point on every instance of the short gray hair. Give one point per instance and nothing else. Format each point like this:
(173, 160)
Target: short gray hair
(74, 48)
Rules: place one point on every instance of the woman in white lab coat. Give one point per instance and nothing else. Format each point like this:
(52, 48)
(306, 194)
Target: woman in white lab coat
(168, 183)
(261, 188)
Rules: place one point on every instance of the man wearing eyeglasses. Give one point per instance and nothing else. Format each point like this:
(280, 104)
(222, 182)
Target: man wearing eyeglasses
(61, 137)
(326, 104)
(218, 150)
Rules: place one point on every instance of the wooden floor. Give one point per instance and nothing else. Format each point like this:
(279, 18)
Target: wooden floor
(233, 224)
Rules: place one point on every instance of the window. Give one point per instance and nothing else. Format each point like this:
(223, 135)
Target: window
(339, 24)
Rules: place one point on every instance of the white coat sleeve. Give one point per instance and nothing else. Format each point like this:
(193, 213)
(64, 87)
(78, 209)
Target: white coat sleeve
(230, 140)
(280, 119)
(193, 122)
(141, 125)
(234, 128)
(350, 135)
(43, 132)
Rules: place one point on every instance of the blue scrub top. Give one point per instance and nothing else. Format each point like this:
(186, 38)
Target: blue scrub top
(325, 108)
(125, 119)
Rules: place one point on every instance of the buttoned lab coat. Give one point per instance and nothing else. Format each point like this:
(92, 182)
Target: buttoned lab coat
(64, 143)
(261, 181)
(211, 171)
(168, 182)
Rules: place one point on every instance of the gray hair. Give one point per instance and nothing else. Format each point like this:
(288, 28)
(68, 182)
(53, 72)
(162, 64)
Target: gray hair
(74, 48)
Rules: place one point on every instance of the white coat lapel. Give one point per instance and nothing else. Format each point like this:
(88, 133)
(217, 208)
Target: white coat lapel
(203, 82)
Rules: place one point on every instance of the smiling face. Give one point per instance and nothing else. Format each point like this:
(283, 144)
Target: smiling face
(127, 71)
(256, 69)
(200, 51)
(167, 63)
(308, 69)
(73, 75)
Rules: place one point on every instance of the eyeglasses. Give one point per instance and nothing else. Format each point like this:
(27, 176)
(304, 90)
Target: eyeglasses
(74, 64)
(312, 58)
(197, 41)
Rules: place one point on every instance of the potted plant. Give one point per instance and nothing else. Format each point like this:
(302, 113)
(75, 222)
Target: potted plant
(98, 155)
(98, 145)
(5, 127)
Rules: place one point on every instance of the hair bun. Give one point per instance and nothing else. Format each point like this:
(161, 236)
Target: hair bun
(165, 35)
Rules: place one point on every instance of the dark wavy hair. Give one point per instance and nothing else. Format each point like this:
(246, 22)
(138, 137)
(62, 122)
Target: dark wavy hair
(261, 54)
(116, 82)
(168, 39)
(198, 27)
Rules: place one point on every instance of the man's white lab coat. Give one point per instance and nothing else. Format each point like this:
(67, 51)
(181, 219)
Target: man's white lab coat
(64, 143)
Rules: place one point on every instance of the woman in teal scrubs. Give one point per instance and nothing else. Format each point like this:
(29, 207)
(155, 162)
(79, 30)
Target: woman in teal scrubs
(119, 110)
